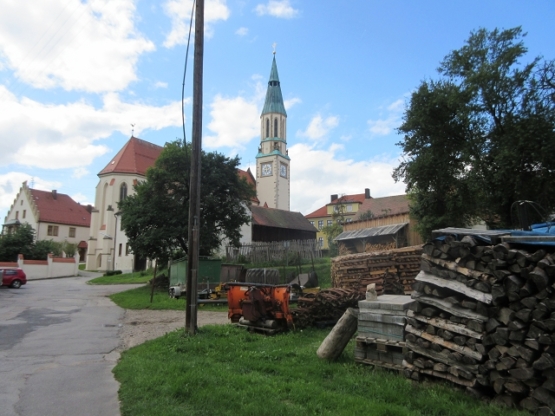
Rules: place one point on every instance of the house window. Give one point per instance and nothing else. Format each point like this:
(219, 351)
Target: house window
(120, 246)
(320, 224)
(52, 230)
(330, 222)
(311, 222)
(24, 213)
(122, 191)
(127, 249)
(72, 232)
(16, 215)
(21, 202)
(321, 241)
(349, 219)
(349, 208)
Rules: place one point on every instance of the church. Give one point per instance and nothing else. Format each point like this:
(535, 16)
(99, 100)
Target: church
(271, 220)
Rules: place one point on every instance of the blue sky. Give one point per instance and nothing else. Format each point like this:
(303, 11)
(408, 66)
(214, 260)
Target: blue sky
(74, 76)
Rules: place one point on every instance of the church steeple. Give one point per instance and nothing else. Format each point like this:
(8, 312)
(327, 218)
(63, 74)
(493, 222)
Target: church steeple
(274, 99)
(272, 160)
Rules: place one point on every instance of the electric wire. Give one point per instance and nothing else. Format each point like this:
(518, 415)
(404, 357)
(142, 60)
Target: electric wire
(184, 74)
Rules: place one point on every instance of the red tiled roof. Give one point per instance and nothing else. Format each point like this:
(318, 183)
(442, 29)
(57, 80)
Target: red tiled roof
(60, 209)
(135, 157)
(271, 217)
(323, 211)
(388, 205)
(250, 180)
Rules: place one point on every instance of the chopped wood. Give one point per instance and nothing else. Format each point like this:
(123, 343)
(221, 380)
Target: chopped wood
(452, 346)
(444, 324)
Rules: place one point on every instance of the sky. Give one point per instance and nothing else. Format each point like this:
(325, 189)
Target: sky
(78, 77)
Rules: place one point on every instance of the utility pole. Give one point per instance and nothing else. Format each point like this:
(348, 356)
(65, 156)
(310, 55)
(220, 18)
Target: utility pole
(194, 188)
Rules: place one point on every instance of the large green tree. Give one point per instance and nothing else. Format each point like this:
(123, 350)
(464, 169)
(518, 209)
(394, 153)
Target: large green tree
(480, 137)
(155, 218)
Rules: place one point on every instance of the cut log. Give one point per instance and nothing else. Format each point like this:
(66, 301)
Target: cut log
(453, 309)
(454, 285)
(452, 346)
(336, 341)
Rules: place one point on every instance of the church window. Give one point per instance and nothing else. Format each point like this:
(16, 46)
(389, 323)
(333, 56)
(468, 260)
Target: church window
(123, 191)
(267, 127)
(275, 127)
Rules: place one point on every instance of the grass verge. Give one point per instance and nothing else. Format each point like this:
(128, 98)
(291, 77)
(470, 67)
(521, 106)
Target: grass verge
(139, 298)
(119, 279)
(225, 370)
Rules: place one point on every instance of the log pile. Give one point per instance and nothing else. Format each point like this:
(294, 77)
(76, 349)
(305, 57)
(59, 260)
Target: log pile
(393, 271)
(381, 331)
(325, 307)
(484, 318)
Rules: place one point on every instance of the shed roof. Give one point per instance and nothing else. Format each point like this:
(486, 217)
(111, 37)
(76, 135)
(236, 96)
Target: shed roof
(370, 232)
(278, 218)
(385, 206)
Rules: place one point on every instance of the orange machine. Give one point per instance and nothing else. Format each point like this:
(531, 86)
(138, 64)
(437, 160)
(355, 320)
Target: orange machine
(259, 307)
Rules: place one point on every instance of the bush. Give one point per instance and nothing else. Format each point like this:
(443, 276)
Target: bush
(112, 272)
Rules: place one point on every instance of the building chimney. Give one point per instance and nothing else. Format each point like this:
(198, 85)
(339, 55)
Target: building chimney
(367, 193)
(54, 194)
(333, 197)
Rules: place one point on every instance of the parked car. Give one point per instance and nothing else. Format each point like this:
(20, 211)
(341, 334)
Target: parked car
(13, 278)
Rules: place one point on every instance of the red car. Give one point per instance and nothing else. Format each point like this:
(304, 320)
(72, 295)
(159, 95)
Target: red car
(13, 278)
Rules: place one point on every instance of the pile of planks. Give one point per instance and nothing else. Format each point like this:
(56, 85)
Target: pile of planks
(484, 318)
(325, 307)
(393, 271)
(381, 331)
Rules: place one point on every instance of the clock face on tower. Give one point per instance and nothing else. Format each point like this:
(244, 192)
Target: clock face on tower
(266, 169)
(283, 170)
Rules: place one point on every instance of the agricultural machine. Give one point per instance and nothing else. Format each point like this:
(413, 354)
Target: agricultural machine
(259, 307)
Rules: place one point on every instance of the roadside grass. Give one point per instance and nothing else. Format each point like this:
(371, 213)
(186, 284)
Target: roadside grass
(225, 370)
(139, 298)
(82, 266)
(125, 278)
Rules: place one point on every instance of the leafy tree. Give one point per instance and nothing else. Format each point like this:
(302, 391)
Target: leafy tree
(481, 137)
(155, 218)
(20, 241)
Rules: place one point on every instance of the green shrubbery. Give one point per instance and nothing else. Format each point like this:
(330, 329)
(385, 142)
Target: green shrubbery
(112, 272)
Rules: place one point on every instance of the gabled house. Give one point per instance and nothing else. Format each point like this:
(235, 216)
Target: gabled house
(344, 206)
(379, 223)
(53, 216)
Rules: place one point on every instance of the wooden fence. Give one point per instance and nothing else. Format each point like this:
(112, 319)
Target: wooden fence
(282, 251)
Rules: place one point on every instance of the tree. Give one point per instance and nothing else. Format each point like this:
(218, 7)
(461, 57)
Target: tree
(481, 137)
(155, 218)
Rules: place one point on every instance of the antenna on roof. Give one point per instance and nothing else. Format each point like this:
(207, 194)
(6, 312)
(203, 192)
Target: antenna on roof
(132, 130)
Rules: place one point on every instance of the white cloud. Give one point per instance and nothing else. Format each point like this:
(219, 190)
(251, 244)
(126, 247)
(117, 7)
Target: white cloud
(310, 165)
(79, 172)
(390, 121)
(92, 46)
(277, 8)
(160, 84)
(319, 127)
(82, 199)
(179, 12)
(64, 135)
(235, 122)
(291, 102)
(242, 31)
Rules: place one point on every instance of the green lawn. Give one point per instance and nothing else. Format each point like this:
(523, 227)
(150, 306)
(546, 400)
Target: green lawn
(126, 278)
(225, 370)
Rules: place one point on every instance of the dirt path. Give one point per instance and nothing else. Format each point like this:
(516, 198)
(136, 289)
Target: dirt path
(142, 325)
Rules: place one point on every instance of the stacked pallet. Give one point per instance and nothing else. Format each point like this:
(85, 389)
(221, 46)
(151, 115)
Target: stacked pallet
(484, 318)
(381, 336)
(392, 271)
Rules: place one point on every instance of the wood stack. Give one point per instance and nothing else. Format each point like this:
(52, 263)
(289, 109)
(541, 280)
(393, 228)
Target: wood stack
(381, 334)
(325, 307)
(484, 318)
(392, 271)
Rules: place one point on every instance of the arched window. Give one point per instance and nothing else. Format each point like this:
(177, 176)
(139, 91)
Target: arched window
(122, 191)
(267, 127)
(275, 127)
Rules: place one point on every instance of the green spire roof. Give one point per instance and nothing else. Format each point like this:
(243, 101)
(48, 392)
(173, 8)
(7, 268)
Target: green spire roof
(274, 99)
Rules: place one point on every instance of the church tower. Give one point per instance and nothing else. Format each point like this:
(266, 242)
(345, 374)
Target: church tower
(272, 161)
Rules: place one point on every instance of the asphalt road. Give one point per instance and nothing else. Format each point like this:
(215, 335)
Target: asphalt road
(58, 345)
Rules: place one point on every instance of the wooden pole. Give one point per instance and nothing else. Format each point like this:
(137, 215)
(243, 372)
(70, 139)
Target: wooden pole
(194, 189)
(336, 341)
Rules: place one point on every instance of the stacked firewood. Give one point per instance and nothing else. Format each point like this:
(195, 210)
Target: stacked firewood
(392, 271)
(484, 318)
(324, 307)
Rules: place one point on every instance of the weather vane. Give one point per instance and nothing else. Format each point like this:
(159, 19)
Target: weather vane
(274, 46)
